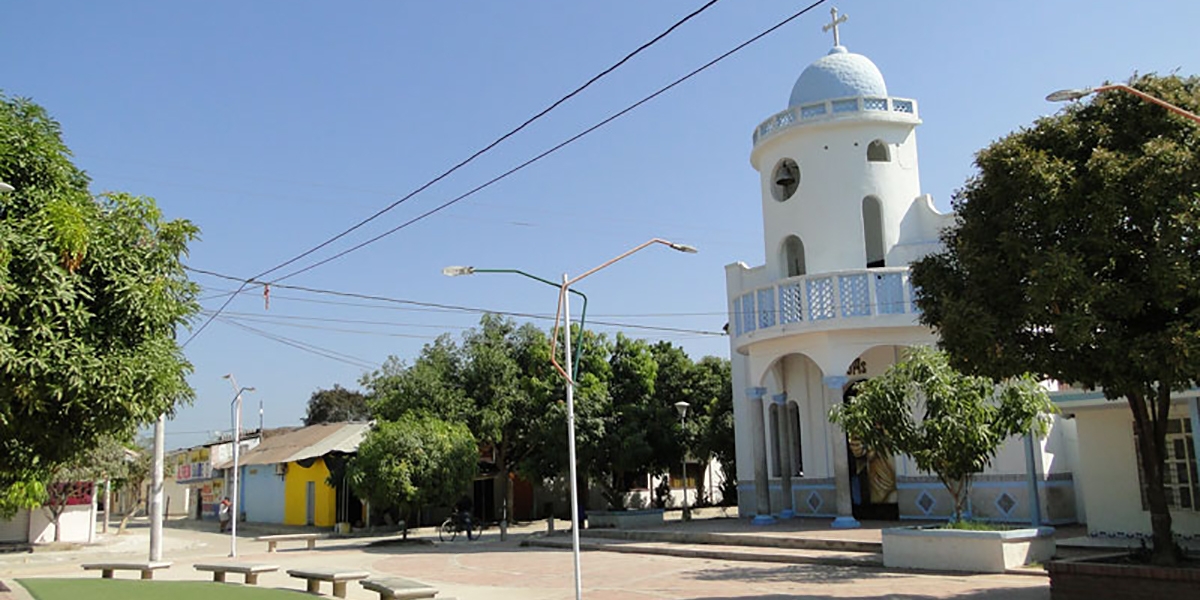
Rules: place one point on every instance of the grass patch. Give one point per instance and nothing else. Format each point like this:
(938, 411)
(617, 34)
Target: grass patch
(136, 589)
(975, 526)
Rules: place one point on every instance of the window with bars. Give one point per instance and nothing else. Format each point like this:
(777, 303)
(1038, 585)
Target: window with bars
(1179, 473)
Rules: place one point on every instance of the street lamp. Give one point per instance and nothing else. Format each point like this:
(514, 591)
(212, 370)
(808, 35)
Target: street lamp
(1068, 95)
(458, 271)
(564, 312)
(236, 407)
(682, 407)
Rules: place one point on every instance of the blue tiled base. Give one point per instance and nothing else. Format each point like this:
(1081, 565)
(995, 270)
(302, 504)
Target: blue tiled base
(845, 523)
(787, 514)
(763, 520)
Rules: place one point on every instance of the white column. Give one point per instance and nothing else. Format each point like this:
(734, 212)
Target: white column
(834, 386)
(785, 455)
(762, 493)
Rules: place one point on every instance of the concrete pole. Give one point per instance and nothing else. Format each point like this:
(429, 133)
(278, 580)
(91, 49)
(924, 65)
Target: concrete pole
(786, 467)
(762, 491)
(834, 386)
(107, 504)
(156, 489)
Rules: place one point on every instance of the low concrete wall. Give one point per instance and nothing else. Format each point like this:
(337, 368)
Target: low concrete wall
(974, 551)
(625, 519)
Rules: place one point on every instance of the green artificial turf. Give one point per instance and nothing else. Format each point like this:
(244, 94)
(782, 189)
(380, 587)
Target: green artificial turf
(136, 589)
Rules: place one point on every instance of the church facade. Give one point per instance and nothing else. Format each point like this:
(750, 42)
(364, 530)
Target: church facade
(832, 305)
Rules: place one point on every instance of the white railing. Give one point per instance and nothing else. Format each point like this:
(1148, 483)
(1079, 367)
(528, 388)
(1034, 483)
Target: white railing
(830, 108)
(813, 298)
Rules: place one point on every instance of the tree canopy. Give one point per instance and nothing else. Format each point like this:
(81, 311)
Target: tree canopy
(1073, 255)
(413, 461)
(951, 424)
(336, 405)
(92, 292)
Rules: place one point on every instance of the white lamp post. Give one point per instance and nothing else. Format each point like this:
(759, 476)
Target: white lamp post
(682, 407)
(564, 313)
(236, 407)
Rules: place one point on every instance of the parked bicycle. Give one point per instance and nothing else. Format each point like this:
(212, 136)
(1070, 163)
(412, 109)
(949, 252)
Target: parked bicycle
(460, 522)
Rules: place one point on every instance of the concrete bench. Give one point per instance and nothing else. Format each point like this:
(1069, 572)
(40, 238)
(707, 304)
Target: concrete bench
(398, 588)
(271, 540)
(337, 578)
(147, 568)
(251, 571)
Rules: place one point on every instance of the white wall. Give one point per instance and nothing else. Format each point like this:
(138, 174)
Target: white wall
(76, 522)
(1109, 474)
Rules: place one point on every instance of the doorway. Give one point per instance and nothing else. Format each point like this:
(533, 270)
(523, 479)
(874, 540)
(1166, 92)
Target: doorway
(873, 493)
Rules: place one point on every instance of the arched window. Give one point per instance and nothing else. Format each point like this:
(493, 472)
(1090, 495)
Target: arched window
(877, 151)
(872, 216)
(793, 256)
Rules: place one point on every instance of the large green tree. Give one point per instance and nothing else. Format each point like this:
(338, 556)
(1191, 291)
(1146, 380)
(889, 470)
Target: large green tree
(336, 405)
(712, 401)
(414, 461)
(1074, 255)
(950, 423)
(92, 292)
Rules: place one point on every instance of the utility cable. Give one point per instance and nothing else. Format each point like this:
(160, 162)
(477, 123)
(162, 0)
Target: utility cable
(550, 151)
(455, 307)
(460, 164)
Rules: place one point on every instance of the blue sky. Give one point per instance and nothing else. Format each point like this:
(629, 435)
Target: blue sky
(273, 125)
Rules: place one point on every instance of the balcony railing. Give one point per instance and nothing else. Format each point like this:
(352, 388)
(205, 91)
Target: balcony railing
(815, 298)
(831, 108)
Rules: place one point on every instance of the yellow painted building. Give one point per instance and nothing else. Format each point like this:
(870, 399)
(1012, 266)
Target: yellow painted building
(308, 499)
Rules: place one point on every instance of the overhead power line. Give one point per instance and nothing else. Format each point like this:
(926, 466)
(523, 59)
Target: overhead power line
(550, 151)
(457, 166)
(457, 307)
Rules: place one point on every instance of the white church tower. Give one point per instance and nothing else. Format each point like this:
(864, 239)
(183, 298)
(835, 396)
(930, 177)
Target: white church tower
(843, 216)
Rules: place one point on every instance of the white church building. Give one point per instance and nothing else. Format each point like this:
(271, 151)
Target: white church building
(843, 216)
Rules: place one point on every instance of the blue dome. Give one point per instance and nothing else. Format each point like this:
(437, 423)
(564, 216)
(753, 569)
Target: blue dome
(839, 74)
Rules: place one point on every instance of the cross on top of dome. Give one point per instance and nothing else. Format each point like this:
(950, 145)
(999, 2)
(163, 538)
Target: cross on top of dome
(834, 25)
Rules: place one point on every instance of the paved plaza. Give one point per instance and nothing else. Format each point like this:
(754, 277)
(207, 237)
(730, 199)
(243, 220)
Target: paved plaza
(492, 569)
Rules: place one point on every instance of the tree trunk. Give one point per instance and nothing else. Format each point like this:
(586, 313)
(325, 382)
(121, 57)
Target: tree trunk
(506, 485)
(1152, 443)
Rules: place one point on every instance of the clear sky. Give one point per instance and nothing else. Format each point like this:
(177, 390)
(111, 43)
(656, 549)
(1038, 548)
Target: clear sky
(273, 125)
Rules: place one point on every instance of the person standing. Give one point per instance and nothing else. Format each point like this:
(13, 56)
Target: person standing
(224, 513)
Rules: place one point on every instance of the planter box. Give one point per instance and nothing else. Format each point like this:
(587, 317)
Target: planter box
(1092, 577)
(624, 519)
(957, 550)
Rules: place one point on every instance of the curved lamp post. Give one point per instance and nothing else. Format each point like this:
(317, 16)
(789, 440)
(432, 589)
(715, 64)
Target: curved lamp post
(682, 407)
(1068, 95)
(457, 271)
(563, 312)
(236, 407)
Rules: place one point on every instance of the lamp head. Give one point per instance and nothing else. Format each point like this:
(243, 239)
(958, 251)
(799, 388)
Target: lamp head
(248, 389)
(5, 188)
(683, 248)
(682, 407)
(227, 376)
(457, 271)
(1068, 95)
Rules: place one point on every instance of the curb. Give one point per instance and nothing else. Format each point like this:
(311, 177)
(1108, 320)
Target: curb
(868, 561)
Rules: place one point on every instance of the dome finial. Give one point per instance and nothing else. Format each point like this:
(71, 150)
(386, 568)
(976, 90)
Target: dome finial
(834, 25)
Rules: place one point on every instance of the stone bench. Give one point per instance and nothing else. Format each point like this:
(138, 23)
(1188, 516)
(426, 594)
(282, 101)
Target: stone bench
(272, 540)
(251, 571)
(147, 568)
(337, 578)
(398, 588)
